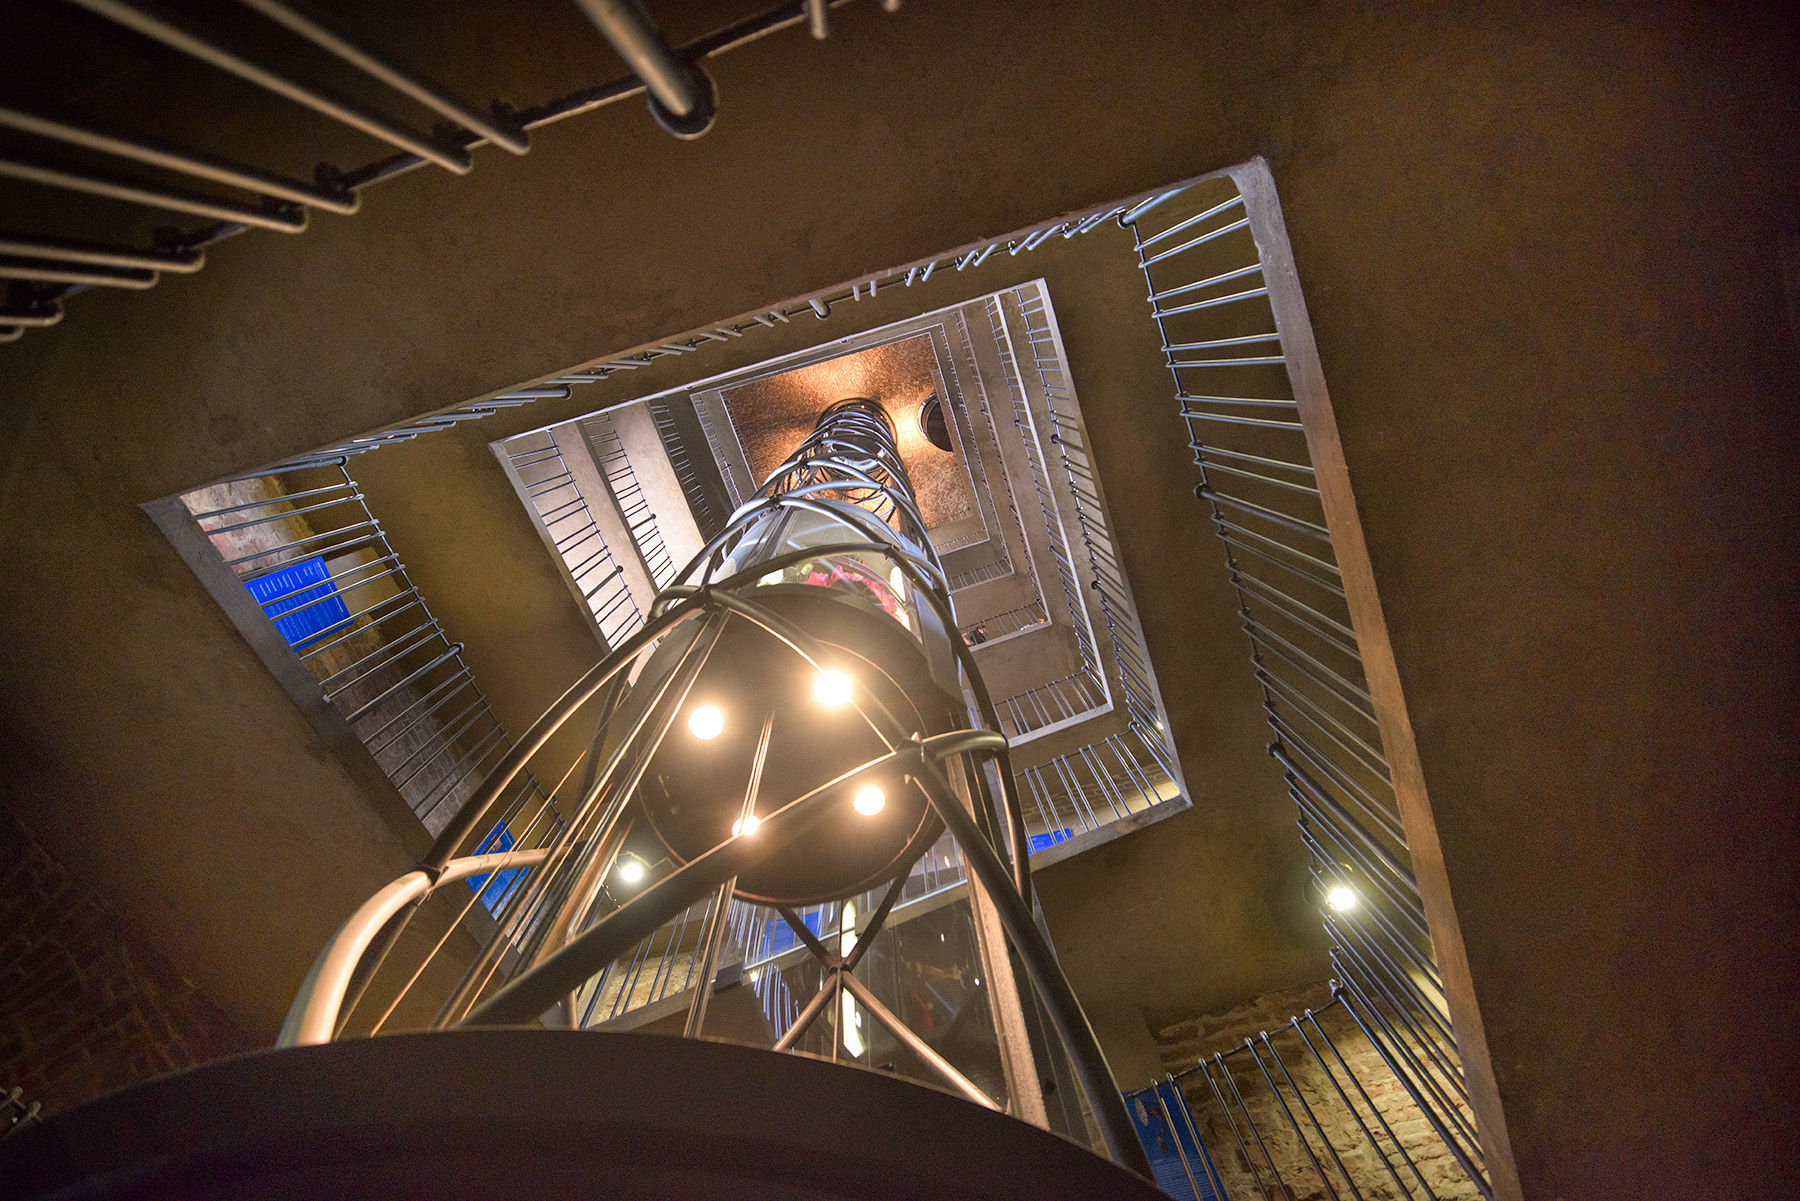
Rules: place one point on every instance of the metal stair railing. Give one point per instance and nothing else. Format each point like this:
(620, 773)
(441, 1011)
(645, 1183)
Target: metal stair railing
(46, 270)
(1224, 350)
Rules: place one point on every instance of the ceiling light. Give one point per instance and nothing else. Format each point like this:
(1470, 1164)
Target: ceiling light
(706, 722)
(1341, 898)
(869, 800)
(745, 825)
(833, 688)
(631, 871)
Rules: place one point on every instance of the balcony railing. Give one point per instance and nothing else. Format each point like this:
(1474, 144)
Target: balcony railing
(1226, 352)
(51, 269)
(568, 525)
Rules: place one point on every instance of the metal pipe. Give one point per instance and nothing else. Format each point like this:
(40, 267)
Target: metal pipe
(795, 1032)
(1228, 419)
(715, 918)
(507, 136)
(1310, 529)
(136, 193)
(1200, 398)
(185, 162)
(1131, 215)
(51, 270)
(918, 1046)
(1211, 303)
(817, 20)
(313, 1016)
(1455, 1147)
(1330, 1188)
(1368, 1135)
(1274, 1170)
(178, 36)
(1185, 223)
(1244, 1151)
(68, 251)
(1419, 1073)
(528, 995)
(1187, 1116)
(35, 318)
(1169, 1122)
(641, 44)
(1265, 479)
(1311, 1116)
(1367, 1100)
(1040, 964)
(1242, 223)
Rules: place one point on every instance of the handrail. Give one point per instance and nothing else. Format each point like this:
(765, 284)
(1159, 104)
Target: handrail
(312, 1019)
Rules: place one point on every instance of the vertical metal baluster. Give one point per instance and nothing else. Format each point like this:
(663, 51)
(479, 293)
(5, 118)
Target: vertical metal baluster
(1367, 1133)
(1425, 1108)
(1169, 1122)
(1216, 1185)
(1312, 1117)
(1274, 1169)
(1330, 1189)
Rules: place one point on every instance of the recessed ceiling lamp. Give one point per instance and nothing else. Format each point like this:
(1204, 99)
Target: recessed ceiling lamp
(706, 722)
(869, 800)
(1341, 898)
(833, 688)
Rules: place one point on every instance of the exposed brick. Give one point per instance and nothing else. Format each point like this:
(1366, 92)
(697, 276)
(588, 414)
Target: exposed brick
(1273, 1141)
(83, 1009)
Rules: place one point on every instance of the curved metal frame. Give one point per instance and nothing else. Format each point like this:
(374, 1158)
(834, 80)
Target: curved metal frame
(850, 472)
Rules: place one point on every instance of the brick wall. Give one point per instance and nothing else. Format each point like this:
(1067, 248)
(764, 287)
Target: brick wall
(84, 1009)
(1182, 1044)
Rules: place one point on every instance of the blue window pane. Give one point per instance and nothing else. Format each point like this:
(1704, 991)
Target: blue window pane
(301, 600)
(781, 936)
(499, 839)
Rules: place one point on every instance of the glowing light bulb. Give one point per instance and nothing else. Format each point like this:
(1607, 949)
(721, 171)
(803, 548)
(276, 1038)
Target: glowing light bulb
(706, 722)
(745, 825)
(869, 800)
(833, 688)
(1341, 898)
(631, 871)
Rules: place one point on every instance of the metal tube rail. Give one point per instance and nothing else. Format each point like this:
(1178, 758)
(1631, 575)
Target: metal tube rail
(71, 251)
(313, 1016)
(177, 35)
(1299, 1135)
(505, 134)
(50, 271)
(673, 82)
(182, 161)
(283, 221)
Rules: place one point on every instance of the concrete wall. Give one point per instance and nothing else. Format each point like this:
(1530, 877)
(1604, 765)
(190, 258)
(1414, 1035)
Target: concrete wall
(1540, 249)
